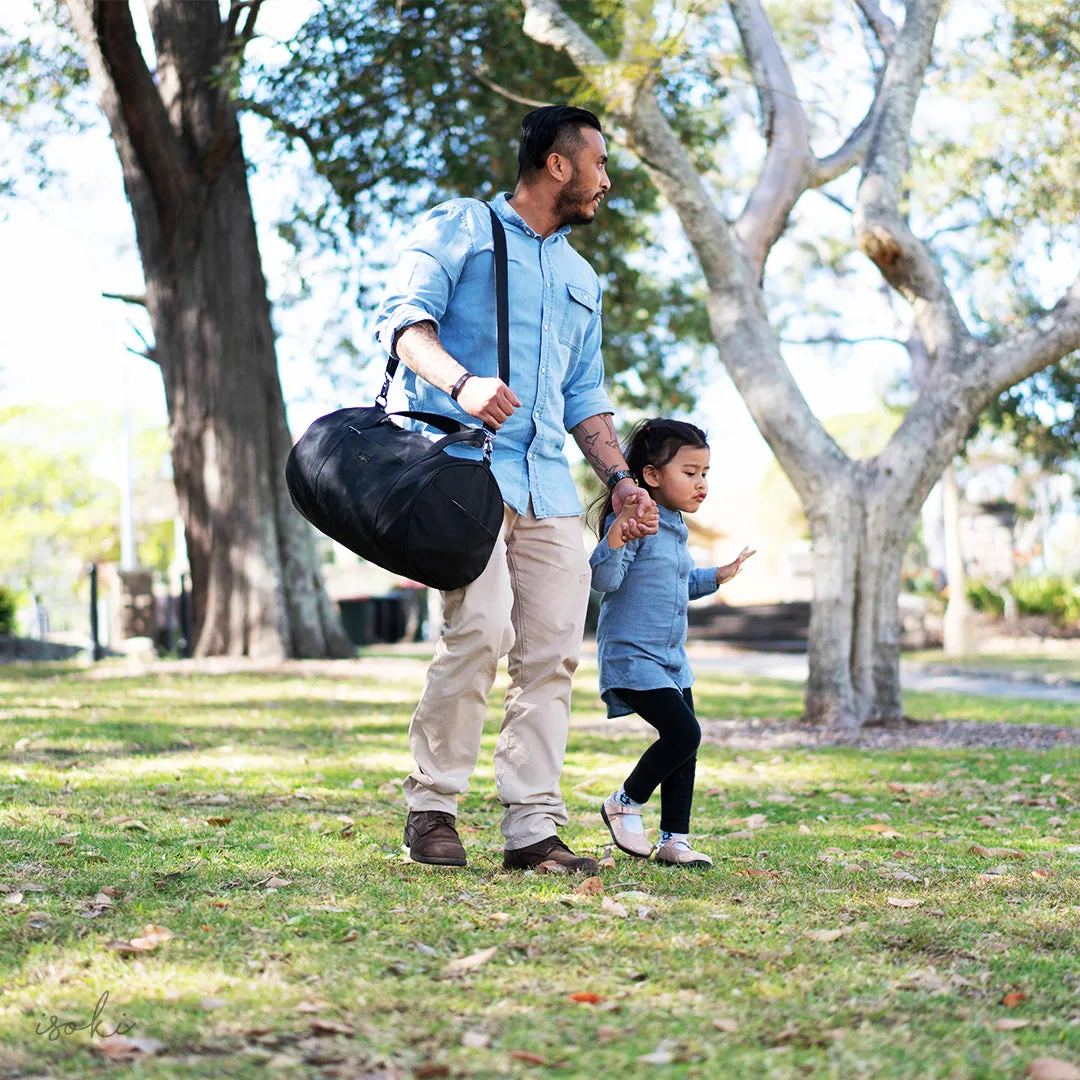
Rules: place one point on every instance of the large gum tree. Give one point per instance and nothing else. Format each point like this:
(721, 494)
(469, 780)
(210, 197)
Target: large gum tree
(257, 588)
(861, 513)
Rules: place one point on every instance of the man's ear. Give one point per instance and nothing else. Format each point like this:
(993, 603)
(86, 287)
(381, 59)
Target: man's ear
(560, 167)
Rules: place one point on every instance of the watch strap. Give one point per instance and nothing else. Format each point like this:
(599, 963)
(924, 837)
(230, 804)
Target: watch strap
(617, 476)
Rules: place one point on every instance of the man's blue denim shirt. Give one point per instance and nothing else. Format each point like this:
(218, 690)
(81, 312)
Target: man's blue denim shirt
(647, 584)
(446, 276)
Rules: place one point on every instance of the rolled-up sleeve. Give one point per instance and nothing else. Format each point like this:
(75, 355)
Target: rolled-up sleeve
(427, 271)
(702, 582)
(609, 567)
(583, 391)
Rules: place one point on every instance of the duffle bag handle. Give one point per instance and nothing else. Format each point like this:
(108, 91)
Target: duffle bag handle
(502, 329)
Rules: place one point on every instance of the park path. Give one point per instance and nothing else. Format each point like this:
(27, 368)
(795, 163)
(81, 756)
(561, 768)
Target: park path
(792, 667)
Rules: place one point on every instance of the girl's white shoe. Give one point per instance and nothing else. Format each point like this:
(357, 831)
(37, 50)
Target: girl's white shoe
(680, 853)
(632, 840)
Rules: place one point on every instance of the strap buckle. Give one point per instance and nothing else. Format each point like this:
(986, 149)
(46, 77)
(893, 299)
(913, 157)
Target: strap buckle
(489, 444)
(382, 399)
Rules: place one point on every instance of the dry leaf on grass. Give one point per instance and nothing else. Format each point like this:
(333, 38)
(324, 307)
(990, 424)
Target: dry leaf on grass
(886, 831)
(662, 1055)
(1042, 875)
(726, 1024)
(220, 821)
(586, 997)
(13, 898)
(1012, 999)
(277, 883)
(121, 1048)
(1010, 1023)
(472, 962)
(312, 1005)
(476, 1040)
(528, 1056)
(591, 886)
(549, 866)
(741, 834)
(613, 907)
(903, 901)
(1048, 1068)
(608, 863)
(329, 1027)
(826, 935)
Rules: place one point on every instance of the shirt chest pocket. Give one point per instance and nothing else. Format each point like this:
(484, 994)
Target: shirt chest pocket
(581, 306)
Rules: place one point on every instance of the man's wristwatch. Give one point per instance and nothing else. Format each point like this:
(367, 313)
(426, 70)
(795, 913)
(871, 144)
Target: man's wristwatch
(459, 384)
(617, 476)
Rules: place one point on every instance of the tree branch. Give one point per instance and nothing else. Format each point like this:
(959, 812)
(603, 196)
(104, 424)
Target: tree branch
(286, 127)
(501, 90)
(839, 339)
(135, 104)
(883, 27)
(127, 298)
(789, 161)
(881, 229)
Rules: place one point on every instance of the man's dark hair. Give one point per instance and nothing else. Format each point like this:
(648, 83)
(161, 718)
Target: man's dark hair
(552, 128)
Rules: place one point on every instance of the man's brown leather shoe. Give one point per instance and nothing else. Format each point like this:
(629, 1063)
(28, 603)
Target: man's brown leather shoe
(550, 849)
(430, 837)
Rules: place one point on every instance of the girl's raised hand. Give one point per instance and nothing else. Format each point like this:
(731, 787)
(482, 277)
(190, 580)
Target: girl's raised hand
(726, 573)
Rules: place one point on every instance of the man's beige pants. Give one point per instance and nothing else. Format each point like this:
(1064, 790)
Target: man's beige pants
(529, 603)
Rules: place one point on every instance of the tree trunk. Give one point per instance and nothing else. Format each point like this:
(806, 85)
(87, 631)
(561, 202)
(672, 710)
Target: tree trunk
(255, 579)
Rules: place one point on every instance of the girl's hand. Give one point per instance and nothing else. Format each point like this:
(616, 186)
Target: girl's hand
(627, 525)
(726, 573)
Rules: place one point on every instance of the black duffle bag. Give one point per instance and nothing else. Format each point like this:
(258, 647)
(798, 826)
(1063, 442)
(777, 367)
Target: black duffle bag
(392, 495)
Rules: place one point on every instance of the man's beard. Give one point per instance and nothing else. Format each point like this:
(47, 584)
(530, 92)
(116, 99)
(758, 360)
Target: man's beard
(573, 204)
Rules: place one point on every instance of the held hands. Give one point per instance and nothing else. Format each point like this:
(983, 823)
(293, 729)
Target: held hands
(726, 573)
(637, 517)
(490, 400)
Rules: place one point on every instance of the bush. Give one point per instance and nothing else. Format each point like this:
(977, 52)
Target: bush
(1055, 597)
(984, 597)
(8, 604)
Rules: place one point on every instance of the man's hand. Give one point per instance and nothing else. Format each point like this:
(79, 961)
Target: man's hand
(726, 573)
(490, 400)
(646, 517)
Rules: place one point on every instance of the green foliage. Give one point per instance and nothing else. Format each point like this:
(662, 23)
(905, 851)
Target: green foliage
(984, 597)
(1055, 597)
(395, 103)
(8, 607)
(42, 89)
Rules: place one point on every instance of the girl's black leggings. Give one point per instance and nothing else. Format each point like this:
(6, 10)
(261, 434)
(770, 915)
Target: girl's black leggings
(670, 762)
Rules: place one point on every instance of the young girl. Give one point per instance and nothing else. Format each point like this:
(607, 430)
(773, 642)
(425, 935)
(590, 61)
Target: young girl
(647, 583)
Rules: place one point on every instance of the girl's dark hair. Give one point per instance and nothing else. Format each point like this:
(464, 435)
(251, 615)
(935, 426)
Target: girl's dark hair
(543, 128)
(651, 442)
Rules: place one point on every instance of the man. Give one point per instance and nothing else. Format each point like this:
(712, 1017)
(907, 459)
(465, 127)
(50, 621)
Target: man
(439, 315)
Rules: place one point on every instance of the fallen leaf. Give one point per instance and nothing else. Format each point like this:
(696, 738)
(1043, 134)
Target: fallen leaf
(826, 935)
(586, 997)
(892, 785)
(121, 1048)
(605, 1033)
(591, 886)
(885, 830)
(476, 1040)
(549, 866)
(139, 826)
(472, 962)
(1010, 1023)
(1048, 1068)
(660, 1056)
(904, 902)
(741, 834)
(1042, 875)
(608, 863)
(432, 1070)
(529, 1056)
(978, 849)
(840, 796)
(221, 821)
(312, 1005)
(330, 1027)
(726, 1024)
(152, 936)
(277, 883)
(208, 1004)
(102, 900)
(613, 907)
(1011, 1000)
(13, 898)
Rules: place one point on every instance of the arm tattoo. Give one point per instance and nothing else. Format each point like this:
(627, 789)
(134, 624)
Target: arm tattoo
(421, 350)
(599, 443)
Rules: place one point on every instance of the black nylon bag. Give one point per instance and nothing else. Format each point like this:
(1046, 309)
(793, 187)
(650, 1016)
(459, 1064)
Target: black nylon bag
(391, 495)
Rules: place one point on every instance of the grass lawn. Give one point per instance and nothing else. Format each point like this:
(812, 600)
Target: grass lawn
(1039, 665)
(874, 915)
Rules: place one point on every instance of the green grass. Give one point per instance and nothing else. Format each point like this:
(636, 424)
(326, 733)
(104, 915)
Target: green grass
(1067, 666)
(361, 939)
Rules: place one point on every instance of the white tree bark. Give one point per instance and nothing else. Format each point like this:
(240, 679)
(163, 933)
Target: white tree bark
(861, 513)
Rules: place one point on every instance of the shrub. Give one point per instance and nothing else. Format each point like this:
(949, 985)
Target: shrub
(1055, 597)
(8, 604)
(984, 597)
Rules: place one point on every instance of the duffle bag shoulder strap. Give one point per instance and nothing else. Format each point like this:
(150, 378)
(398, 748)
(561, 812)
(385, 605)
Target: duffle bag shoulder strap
(502, 311)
